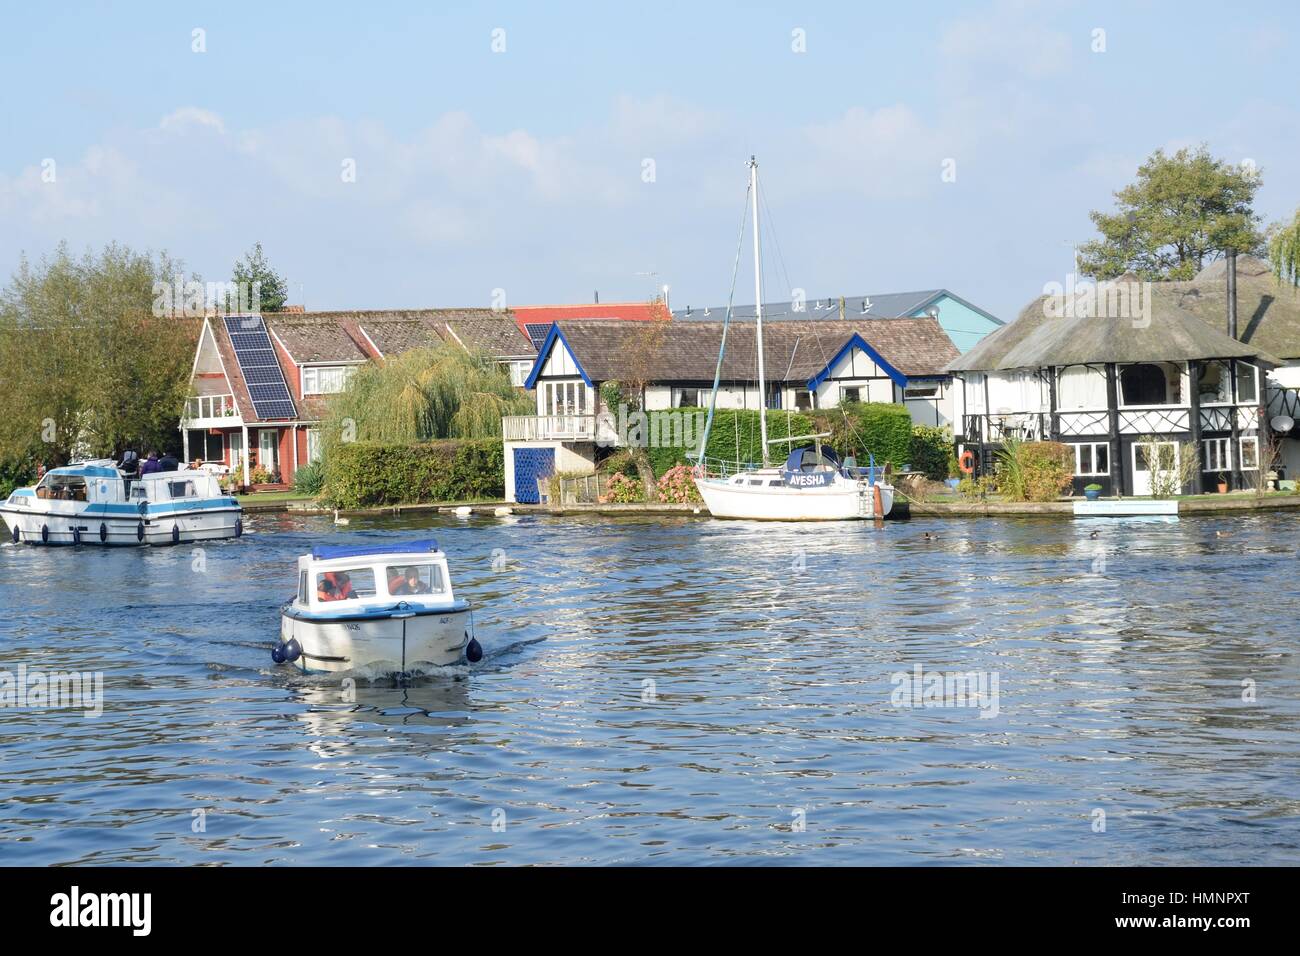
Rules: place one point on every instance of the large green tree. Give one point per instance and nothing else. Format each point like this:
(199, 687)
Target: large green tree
(1183, 212)
(254, 272)
(86, 366)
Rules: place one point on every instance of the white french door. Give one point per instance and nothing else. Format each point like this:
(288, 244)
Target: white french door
(1154, 463)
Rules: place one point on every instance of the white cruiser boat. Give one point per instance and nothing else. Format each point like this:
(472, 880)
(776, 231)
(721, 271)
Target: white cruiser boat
(386, 608)
(92, 503)
(813, 484)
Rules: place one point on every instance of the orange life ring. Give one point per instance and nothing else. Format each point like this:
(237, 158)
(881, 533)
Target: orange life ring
(967, 462)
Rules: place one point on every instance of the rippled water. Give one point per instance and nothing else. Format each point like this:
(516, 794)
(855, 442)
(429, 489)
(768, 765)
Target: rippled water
(663, 690)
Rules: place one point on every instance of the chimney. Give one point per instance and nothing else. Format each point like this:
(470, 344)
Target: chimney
(1232, 293)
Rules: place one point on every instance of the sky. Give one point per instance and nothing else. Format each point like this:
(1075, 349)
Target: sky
(423, 155)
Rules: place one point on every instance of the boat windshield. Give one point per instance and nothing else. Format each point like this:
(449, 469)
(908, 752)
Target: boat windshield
(62, 488)
(404, 579)
(353, 584)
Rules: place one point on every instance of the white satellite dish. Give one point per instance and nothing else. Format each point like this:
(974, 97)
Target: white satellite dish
(1282, 423)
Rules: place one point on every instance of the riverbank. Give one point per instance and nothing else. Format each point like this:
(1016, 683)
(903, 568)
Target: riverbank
(903, 509)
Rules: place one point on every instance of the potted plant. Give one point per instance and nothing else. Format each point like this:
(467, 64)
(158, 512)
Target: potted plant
(1223, 484)
(1092, 492)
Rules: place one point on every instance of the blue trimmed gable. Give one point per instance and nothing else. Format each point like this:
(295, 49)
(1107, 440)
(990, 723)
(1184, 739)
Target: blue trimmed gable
(544, 354)
(857, 342)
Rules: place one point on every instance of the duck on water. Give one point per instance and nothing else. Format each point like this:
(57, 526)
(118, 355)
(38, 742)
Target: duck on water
(97, 503)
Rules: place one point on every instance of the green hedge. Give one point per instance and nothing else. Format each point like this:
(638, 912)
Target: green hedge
(732, 428)
(932, 449)
(882, 428)
(362, 474)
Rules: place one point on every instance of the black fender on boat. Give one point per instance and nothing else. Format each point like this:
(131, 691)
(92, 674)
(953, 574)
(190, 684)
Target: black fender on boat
(139, 531)
(103, 532)
(76, 535)
(14, 533)
(45, 534)
(176, 534)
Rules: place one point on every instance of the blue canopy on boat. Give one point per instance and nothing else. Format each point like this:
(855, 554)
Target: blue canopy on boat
(795, 461)
(323, 552)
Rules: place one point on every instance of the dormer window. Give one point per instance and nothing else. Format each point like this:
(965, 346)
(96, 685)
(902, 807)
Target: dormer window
(326, 379)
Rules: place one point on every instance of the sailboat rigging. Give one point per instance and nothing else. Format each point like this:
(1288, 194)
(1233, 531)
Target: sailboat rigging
(813, 484)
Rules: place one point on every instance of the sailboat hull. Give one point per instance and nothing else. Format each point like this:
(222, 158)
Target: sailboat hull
(842, 501)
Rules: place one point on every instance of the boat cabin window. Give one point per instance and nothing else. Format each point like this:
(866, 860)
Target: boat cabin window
(755, 481)
(775, 483)
(182, 489)
(62, 488)
(302, 588)
(404, 579)
(345, 585)
(139, 492)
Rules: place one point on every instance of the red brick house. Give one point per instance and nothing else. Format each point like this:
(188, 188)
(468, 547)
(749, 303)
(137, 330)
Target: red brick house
(259, 382)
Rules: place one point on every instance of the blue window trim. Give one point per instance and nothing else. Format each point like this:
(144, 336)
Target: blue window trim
(858, 341)
(544, 353)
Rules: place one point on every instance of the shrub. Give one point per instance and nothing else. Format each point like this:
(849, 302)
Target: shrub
(1035, 471)
(677, 485)
(310, 478)
(735, 435)
(622, 490)
(931, 451)
(259, 476)
(361, 474)
(861, 429)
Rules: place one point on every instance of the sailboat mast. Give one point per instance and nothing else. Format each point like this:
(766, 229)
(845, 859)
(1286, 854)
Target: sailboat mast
(758, 309)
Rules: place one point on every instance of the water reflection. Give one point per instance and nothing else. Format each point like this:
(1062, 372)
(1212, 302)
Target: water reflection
(677, 690)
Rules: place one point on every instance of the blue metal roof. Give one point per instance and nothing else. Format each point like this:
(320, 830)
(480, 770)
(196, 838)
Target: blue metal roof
(323, 552)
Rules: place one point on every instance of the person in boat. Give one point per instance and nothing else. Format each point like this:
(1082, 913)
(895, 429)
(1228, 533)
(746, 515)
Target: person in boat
(168, 462)
(407, 582)
(334, 586)
(150, 465)
(40, 471)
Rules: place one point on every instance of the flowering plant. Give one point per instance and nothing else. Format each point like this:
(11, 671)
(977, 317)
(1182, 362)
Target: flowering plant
(677, 485)
(620, 489)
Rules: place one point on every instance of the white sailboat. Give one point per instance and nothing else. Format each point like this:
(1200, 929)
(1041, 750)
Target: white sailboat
(813, 484)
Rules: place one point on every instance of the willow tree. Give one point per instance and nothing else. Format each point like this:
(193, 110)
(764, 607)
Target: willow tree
(1284, 250)
(425, 394)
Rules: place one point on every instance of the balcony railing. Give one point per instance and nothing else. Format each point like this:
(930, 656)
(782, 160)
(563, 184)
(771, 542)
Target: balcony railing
(1149, 420)
(548, 427)
(203, 411)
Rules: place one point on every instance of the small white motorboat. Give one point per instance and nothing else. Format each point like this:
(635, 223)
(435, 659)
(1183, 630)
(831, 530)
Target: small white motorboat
(385, 608)
(94, 503)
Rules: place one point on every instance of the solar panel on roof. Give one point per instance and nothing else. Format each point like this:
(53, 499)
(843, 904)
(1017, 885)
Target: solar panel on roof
(537, 332)
(262, 373)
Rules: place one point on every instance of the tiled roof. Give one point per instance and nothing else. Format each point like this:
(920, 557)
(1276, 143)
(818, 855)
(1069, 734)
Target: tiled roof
(315, 337)
(856, 307)
(793, 351)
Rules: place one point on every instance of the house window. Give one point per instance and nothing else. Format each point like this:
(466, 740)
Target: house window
(1092, 458)
(927, 390)
(1216, 455)
(326, 379)
(1247, 384)
(567, 398)
(1148, 384)
(802, 399)
(519, 372)
(1215, 384)
(313, 444)
(850, 393)
(1249, 453)
(687, 398)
